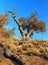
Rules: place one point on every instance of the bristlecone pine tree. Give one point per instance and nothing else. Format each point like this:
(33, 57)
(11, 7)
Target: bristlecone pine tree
(3, 21)
(31, 24)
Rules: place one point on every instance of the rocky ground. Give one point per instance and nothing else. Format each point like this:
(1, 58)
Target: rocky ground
(32, 52)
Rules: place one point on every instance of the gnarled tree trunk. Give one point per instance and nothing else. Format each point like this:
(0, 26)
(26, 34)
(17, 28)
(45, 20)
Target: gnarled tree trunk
(24, 37)
(30, 33)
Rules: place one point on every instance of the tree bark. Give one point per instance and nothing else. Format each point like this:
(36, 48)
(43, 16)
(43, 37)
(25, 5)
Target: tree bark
(24, 37)
(30, 33)
(17, 21)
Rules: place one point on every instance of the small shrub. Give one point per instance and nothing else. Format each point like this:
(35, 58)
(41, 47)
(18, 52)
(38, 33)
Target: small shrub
(29, 52)
(42, 49)
(46, 49)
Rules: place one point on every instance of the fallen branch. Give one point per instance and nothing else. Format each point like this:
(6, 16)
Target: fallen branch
(16, 58)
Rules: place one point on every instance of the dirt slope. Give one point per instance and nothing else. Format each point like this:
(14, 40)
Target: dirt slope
(29, 52)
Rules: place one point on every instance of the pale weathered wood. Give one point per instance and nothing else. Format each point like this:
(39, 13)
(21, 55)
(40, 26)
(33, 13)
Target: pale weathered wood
(14, 57)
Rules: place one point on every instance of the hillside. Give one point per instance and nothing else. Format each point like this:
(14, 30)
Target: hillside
(32, 52)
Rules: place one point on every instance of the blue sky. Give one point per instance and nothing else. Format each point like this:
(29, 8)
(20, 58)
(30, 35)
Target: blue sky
(25, 8)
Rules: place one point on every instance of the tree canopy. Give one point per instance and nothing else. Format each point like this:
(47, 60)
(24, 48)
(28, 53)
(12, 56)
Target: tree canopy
(31, 24)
